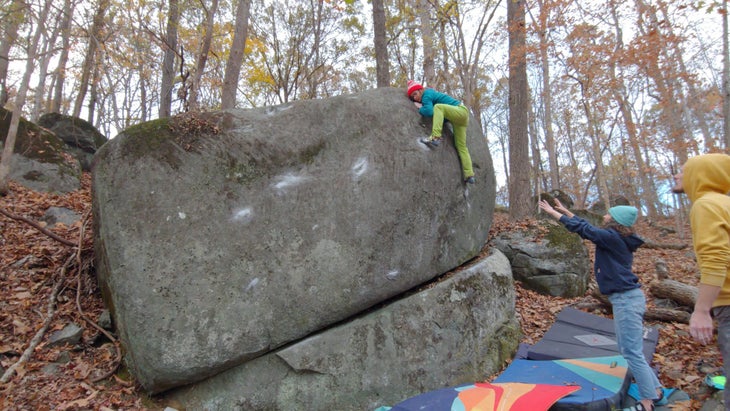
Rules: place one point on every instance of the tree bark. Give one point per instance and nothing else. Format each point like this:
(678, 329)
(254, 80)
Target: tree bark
(60, 73)
(519, 180)
(382, 66)
(13, 17)
(168, 61)
(202, 55)
(429, 60)
(619, 94)
(651, 314)
(547, 121)
(88, 65)
(595, 137)
(665, 79)
(667, 315)
(653, 245)
(235, 58)
(676, 291)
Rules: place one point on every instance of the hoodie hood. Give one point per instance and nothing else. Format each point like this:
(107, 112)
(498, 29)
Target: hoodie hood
(708, 173)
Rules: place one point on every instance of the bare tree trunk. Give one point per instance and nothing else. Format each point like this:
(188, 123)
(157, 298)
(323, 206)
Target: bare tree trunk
(441, 80)
(424, 17)
(597, 154)
(17, 107)
(94, 93)
(467, 59)
(619, 92)
(693, 95)
(44, 61)
(595, 137)
(313, 61)
(202, 55)
(580, 199)
(519, 182)
(60, 74)
(13, 17)
(168, 61)
(88, 65)
(547, 98)
(235, 59)
(144, 109)
(664, 79)
(532, 135)
(382, 66)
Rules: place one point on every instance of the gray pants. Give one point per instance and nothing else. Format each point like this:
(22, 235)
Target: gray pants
(722, 315)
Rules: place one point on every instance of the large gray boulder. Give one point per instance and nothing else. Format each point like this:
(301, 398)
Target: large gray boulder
(458, 331)
(222, 236)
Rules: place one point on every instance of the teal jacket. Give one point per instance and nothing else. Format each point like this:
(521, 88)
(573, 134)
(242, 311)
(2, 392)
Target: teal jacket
(432, 97)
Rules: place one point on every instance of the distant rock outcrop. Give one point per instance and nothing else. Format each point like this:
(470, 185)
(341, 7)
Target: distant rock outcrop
(81, 137)
(40, 161)
(224, 236)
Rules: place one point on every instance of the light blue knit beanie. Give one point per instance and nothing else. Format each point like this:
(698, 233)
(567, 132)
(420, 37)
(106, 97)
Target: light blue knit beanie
(624, 215)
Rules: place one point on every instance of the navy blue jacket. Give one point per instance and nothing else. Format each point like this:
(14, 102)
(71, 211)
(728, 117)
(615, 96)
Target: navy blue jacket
(614, 255)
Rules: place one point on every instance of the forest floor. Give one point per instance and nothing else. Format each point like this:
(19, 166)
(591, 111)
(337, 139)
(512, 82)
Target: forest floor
(41, 264)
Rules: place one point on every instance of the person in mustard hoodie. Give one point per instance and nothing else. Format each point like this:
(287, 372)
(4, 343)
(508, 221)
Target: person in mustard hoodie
(706, 181)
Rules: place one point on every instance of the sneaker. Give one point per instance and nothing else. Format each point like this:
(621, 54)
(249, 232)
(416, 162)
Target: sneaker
(431, 142)
(661, 400)
(470, 180)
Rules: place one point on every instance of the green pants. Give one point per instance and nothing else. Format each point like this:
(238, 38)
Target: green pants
(459, 118)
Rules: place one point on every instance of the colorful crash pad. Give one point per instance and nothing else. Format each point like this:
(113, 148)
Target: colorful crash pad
(578, 334)
(488, 397)
(603, 381)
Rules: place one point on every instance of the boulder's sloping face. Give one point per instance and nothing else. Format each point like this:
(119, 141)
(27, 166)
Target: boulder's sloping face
(221, 237)
(461, 330)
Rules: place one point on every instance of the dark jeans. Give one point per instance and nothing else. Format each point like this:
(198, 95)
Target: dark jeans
(722, 315)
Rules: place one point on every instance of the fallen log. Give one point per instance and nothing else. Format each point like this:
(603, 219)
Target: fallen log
(681, 293)
(676, 291)
(666, 315)
(651, 314)
(653, 245)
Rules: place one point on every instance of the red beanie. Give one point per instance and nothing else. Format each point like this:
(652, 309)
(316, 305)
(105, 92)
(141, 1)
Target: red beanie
(413, 86)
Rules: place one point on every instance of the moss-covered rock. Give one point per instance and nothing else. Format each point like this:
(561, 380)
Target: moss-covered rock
(547, 258)
(81, 138)
(40, 161)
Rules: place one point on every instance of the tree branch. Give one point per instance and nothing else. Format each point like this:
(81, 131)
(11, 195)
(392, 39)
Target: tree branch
(37, 227)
